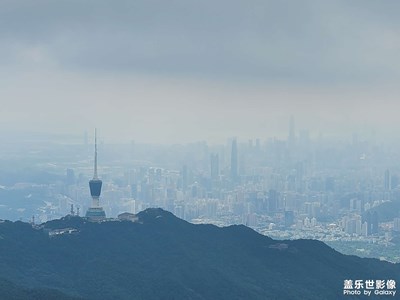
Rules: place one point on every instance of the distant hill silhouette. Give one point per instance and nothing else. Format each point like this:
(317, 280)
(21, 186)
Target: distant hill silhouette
(387, 211)
(163, 257)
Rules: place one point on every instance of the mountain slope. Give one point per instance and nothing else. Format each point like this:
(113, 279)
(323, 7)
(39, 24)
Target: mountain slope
(163, 257)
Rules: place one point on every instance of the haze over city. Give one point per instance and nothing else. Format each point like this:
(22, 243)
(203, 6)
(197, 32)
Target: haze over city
(198, 149)
(178, 71)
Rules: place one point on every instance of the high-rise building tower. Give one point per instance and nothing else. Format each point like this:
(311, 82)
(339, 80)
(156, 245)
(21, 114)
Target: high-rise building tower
(292, 134)
(234, 162)
(387, 181)
(95, 212)
(214, 166)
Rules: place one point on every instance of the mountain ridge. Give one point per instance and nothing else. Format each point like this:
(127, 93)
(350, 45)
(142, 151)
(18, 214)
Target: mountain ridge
(163, 257)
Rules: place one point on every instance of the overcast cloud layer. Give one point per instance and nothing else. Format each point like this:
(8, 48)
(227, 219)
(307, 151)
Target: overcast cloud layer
(187, 70)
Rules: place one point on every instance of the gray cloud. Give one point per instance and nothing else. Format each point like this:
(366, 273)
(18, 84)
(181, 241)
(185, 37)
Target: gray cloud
(180, 70)
(290, 41)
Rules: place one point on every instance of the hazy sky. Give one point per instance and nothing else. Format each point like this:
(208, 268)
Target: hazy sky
(159, 70)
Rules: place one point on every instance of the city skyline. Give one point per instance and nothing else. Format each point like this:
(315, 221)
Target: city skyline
(345, 194)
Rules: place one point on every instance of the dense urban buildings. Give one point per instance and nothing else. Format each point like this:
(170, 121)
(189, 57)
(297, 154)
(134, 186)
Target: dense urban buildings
(343, 192)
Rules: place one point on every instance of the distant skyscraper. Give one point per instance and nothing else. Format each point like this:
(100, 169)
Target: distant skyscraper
(396, 224)
(289, 218)
(367, 220)
(70, 177)
(95, 212)
(184, 175)
(374, 223)
(273, 201)
(258, 144)
(292, 134)
(234, 161)
(387, 182)
(214, 160)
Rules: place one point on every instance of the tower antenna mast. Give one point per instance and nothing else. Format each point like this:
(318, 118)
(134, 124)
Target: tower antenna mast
(95, 154)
